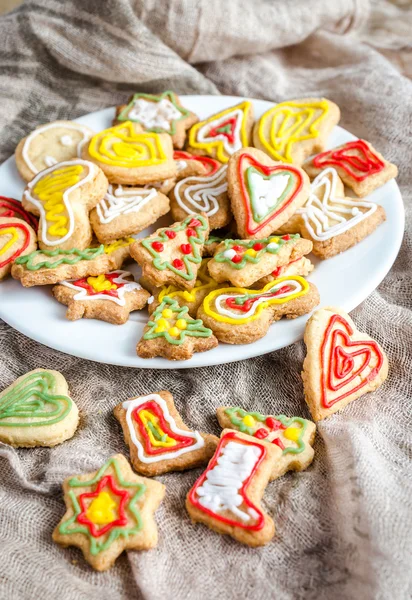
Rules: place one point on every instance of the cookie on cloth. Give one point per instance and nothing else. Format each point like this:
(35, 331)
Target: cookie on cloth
(242, 316)
(205, 194)
(17, 238)
(263, 194)
(109, 297)
(160, 113)
(332, 221)
(227, 496)
(222, 134)
(157, 437)
(293, 130)
(124, 211)
(62, 196)
(130, 156)
(43, 267)
(173, 254)
(191, 298)
(173, 334)
(191, 165)
(341, 363)
(36, 410)
(50, 144)
(358, 164)
(243, 262)
(108, 511)
(9, 207)
(293, 435)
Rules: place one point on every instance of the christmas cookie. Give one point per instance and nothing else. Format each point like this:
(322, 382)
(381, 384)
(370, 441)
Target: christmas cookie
(190, 165)
(263, 194)
(227, 496)
(213, 241)
(242, 262)
(44, 267)
(108, 297)
(222, 134)
(204, 194)
(293, 130)
(191, 298)
(341, 363)
(298, 266)
(63, 196)
(158, 439)
(50, 144)
(36, 410)
(242, 316)
(161, 113)
(108, 511)
(293, 435)
(13, 208)
(126, 210)
(173, 254)
(129, 156)
(17, 238)
(357, 163)
(332, 221)
(173, 334)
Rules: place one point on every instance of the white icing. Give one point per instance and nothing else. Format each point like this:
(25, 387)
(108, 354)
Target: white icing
(329, 216)
(202, 196)
(66, 140)
(131, 405)
(122, 202)
(150, 300)
(180, 165)
(49, 161)
(220, 301)
(272, 246)
(154, 115)
(203, 133)
(121, 301)
(69, 163)
(229, 253)
(265, 193)
(220, 490)
(26, 146)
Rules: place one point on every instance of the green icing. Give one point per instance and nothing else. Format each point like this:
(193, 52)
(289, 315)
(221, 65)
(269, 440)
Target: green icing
(248, 244)
(33, 398)
(292, 181)
(96, 544)
(124, 115)
(87, 254)
(237, 414)
(195, 327)
(194, 258)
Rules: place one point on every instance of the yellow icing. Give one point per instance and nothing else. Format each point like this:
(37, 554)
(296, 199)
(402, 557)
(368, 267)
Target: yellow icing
(102, 509)
(292, 433)
(181, 324)
(146, 418)
(109, 248)
(248, 420)
(122, 146)
(290, 123)
(101, 284)
(14, 237)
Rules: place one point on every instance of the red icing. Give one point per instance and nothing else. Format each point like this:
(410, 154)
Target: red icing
(195, 223)
(121, 521)
(337, 369)
(266, 171)
(237, 258)
(211, 165)
(186, 248)
(238, 248)
(261, 433)
(13, 208)
(274, 424)
(154, 408)
(258, 246)
(230, 123)
(191, 232)
(356, 158)
(242, 491)
(25, 241)
(231, 301)
(178, 264)
(279, 443)
(82, 283)
(286, 237)
(170, 234)
(279, 270)
(158, 246)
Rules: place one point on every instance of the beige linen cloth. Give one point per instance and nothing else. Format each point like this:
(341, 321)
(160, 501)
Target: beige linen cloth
(343, 526)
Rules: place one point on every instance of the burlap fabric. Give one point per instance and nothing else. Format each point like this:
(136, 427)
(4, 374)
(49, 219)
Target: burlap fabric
(343, 526)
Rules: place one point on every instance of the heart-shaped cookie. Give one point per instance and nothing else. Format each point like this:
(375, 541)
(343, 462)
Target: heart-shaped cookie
(263, 193)
(16, 239)
(341, 363)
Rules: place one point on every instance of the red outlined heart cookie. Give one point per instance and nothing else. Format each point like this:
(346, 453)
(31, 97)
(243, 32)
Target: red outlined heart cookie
(341, 364)
(264, 194)
(16, 238)
(13, 208)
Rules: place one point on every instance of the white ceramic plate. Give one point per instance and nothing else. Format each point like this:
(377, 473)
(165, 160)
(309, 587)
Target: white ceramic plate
(345, 280)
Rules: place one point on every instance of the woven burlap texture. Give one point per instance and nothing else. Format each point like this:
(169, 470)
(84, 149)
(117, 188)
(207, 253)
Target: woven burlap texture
(342, 525)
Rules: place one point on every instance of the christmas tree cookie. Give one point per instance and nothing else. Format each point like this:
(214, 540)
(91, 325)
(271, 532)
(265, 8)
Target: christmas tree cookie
(172, 255)
(294, 435)
(224, 133)
(173, 334)
(109, 511)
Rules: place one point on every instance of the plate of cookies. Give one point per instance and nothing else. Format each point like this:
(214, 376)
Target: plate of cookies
(175, 232)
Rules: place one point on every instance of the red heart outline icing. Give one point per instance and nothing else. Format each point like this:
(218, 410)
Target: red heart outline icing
(336, 367)
(24, 245)
(365, 162)
(9, 207)
(265, 171)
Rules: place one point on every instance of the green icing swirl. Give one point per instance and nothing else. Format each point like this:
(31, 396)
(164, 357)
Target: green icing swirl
(87, 254)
